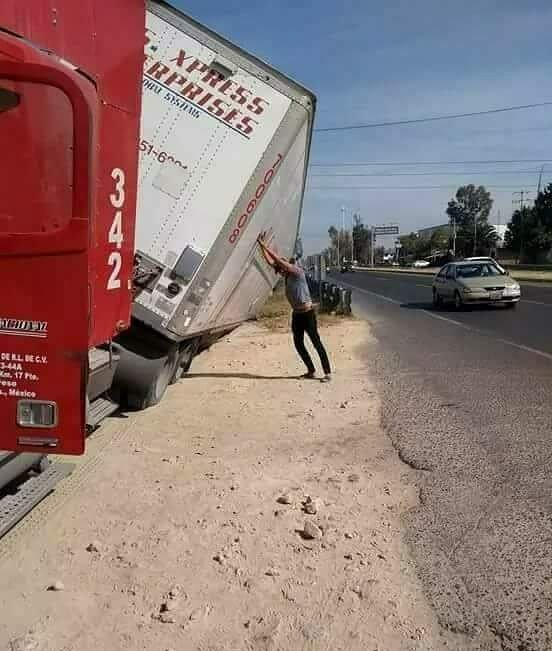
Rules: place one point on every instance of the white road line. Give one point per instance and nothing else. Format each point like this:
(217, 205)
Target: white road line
(526, 349)
(367, 291)
(507, 342)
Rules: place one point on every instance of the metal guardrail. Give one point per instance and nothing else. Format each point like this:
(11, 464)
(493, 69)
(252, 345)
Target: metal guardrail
(331, 298)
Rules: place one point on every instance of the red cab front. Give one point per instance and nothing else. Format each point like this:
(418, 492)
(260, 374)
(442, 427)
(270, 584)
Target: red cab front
(47, 121)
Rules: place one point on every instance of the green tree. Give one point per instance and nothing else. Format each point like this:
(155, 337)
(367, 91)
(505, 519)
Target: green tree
(340, 244)
(362, 238)
(414, 246)
(469, 218)
(520, 232)
(440, 240)
(529, 232)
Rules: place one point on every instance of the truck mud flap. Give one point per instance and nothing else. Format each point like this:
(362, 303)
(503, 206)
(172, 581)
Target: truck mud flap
(14, 508)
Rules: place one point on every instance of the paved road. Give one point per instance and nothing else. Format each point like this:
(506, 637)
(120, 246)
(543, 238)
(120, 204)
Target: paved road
(468, 403)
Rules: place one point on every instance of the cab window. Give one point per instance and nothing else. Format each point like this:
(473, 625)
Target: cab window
(8, 100)
(36, 165)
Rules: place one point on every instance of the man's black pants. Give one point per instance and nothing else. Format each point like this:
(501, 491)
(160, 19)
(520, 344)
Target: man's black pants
(306, 322)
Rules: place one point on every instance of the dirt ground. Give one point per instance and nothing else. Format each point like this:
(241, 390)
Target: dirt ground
(250, 511)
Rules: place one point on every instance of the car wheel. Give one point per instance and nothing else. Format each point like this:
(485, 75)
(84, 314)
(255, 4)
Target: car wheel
(458, 303)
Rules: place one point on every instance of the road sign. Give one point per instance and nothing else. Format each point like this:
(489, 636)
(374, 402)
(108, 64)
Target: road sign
(386, 230)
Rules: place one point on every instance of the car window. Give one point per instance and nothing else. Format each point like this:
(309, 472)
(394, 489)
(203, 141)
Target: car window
(36, 128)
(479, 270)
(450, 273)
(443, 272)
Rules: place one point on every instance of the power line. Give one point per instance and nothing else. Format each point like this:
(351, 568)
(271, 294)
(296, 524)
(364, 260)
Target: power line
(405, 187)
(438, 118)
(442, 162)
(371, 174)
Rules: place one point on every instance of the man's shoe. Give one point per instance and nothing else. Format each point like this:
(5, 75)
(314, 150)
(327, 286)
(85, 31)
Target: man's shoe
(327, 378)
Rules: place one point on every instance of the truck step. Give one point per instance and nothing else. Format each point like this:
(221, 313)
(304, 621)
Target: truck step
(14, 508)
(98, 357)
(98, 411)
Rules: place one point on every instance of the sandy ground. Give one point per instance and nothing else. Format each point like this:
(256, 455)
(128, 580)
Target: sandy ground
(249, 511)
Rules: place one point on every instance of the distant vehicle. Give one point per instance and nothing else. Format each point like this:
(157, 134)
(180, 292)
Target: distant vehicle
(474, 282)
(486, 259)
(420, 264)
(395, 264)
(346, 268)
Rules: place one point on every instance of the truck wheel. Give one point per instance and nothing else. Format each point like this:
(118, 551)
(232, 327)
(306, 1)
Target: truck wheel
(140, 382)
(42, 464)
(185, 359)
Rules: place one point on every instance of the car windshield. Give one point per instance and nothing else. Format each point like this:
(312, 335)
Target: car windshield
(478, 270)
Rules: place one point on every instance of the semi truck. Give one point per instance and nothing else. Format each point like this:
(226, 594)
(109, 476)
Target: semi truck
(142, 154)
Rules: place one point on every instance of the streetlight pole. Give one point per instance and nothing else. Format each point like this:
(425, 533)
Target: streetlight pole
(343, 228)
(338, 238)
(352, 238)
(540, 181)
(372, 243)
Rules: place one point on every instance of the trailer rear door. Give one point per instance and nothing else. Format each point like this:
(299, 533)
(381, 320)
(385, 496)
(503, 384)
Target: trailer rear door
(46, 122)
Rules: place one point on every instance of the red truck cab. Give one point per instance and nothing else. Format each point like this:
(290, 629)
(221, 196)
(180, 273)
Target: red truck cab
(70, 93)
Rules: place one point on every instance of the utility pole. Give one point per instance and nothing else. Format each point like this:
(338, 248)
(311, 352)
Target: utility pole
(353, 238)
(372, 244)
(499, 219)
(540, 181)
(453, 219)
(342, 234)
(338, 238)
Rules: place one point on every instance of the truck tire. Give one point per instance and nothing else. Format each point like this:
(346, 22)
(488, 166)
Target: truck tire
(140, 383)
(185, 359)
(42, 465)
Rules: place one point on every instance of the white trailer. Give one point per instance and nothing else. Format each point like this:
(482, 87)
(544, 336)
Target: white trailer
(225, 142)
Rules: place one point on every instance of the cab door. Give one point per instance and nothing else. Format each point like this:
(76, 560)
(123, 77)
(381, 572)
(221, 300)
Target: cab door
(46, 129)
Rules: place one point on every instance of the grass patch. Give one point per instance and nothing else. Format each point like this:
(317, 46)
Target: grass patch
(276, 314)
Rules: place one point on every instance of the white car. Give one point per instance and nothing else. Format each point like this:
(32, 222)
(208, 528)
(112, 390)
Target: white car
(420, 264)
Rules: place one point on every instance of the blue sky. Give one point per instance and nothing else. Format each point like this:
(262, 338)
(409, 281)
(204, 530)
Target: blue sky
(390, 60)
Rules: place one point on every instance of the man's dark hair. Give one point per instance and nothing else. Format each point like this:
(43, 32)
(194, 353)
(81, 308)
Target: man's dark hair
(292, 261)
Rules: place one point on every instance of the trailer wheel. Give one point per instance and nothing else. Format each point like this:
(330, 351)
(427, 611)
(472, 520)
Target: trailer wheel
(185, 359)
(141, 383)
(42, 465)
